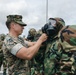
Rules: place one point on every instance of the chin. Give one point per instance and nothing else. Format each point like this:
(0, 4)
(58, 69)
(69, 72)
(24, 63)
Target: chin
(20, 33)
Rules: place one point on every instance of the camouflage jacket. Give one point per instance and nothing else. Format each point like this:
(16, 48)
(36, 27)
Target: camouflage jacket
(16, 66)
(37, 63)
(59, 58)
(1, 54)
(67, 61)
(52, 57)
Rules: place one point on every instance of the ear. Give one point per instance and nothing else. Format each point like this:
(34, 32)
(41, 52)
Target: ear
(12, 25)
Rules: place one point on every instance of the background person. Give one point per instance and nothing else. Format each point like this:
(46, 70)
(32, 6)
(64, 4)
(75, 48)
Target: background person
(2, 58)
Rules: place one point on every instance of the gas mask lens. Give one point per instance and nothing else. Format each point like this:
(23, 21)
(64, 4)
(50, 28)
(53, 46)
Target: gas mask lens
(52, 22)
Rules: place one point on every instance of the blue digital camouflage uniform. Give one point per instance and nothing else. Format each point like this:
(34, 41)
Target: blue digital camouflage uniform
(16, 66)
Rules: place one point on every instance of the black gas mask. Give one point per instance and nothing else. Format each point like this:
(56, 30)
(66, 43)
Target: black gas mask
(30, 37)
(50, 28)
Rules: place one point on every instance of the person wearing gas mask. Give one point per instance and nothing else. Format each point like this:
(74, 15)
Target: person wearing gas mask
(31, 34)
(60, 55)
(52, 56)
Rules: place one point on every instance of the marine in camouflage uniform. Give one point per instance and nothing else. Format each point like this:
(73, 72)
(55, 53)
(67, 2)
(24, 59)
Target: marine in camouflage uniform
(16, 66)
(68, 50)
(2, 58)
(52, 55)
(16, 50)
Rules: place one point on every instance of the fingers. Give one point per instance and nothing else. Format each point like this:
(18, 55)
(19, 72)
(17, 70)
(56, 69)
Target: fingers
(43, 37)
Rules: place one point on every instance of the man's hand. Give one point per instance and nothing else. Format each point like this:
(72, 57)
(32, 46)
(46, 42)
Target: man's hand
(43, 37)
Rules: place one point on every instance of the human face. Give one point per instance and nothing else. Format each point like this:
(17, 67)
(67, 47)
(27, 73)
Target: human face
(18, 28)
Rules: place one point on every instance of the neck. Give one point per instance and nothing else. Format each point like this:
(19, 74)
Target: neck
(13, 34)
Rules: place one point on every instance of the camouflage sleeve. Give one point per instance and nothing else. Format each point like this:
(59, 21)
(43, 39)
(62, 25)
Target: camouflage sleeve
(24, 42)
(73, 41)
(12, 45)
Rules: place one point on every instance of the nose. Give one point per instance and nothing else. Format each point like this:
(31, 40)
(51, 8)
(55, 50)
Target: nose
(22, 27)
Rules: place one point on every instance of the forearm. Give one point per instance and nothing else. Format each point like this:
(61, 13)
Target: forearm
(28, 53)
(31, 51)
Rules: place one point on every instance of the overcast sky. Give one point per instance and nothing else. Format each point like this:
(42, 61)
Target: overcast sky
(34, 12)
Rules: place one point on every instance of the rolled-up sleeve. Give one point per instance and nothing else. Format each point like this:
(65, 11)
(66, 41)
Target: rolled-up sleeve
(16, 48)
